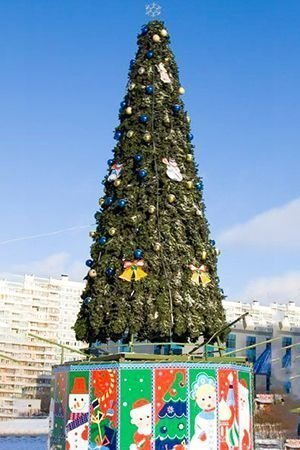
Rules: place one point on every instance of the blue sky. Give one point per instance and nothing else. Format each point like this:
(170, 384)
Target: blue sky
(64, 67)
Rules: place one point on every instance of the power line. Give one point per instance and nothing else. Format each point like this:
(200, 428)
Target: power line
(42, 235)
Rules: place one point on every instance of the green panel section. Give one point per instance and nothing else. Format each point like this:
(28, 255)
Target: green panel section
(135, 408)
(58, 410)
(77, 425)
(202, 411)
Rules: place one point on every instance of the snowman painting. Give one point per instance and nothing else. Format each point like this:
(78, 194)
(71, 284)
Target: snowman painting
(205, 430)
(244, 416)
(173, 170)
(141, 416)
(77, 425)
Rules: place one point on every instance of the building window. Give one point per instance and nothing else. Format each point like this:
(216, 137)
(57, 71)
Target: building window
(231, 343)
(251, 352)
(286, 341)
(286, 361)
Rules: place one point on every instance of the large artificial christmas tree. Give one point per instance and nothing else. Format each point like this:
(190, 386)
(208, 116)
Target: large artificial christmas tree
(153, 267)
(152, 276)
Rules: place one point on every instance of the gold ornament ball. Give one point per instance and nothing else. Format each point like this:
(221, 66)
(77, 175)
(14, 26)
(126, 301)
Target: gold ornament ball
(171, 198)
(157, 246)
(188, 119)
(92, 234)
(128, 110)
(117, 183)
(199, 212)
(141, 70)
(156, 38)
(131, 86)
(164, 32)
(204, 254)
(129, 134)
(181, 90)
(189, 157)
(167, 119)
(218, 252)
(112, 231)
(101, 201)
(134, 218)
(151, 209)
(92, 273)
(147, 137)
(189, 184)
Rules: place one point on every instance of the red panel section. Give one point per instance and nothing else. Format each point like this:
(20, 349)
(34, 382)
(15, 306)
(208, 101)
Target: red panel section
(228, 409)
(104, 389)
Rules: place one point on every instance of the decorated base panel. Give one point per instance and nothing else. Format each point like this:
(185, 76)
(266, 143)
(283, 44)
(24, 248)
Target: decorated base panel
(151, 406)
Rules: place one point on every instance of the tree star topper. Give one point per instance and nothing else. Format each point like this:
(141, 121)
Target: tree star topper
(153, 10)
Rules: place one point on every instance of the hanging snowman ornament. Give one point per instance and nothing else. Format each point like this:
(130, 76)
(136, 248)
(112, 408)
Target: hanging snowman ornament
(77, 429)
(173, 170)
(115, 173)
(164, 76)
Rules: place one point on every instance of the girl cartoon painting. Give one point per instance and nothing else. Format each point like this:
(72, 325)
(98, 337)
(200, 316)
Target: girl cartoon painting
(205, 429)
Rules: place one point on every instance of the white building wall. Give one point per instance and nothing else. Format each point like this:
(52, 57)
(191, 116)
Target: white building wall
(46, 308)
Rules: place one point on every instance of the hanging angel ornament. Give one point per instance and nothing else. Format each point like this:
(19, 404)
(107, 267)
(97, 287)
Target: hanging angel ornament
(164, 76)
(115, 172)
(133, 269)
(200, 274)
(173, 170)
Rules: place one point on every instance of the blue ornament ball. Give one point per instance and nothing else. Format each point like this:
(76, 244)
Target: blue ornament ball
(143, 173)
(122, 203)
(110, 162)
(108, 201)
(118, 135)
(144, 118)
(89, 262)
(199, 186)
(102, 240)
(137, 158)
(132, 63)
(109, 271)
(176, 108)
(138, 253)
(212, 242)
(123, 104)
(191, 136)
(144, 30)
(149, 89)
(87, 300)
(150, 54)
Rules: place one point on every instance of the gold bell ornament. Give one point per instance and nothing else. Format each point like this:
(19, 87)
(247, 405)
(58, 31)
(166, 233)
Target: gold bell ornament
(133, 270)
(200, 274)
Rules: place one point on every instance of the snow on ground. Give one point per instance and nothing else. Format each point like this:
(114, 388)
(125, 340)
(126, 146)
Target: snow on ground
(17, 427)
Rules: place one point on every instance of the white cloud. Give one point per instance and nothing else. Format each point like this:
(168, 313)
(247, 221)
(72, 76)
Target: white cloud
(280, 288)
(275, 227)
(52, 266)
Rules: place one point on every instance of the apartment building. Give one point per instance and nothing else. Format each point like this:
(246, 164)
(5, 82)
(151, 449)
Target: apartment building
(277, 363)
(45, 308)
